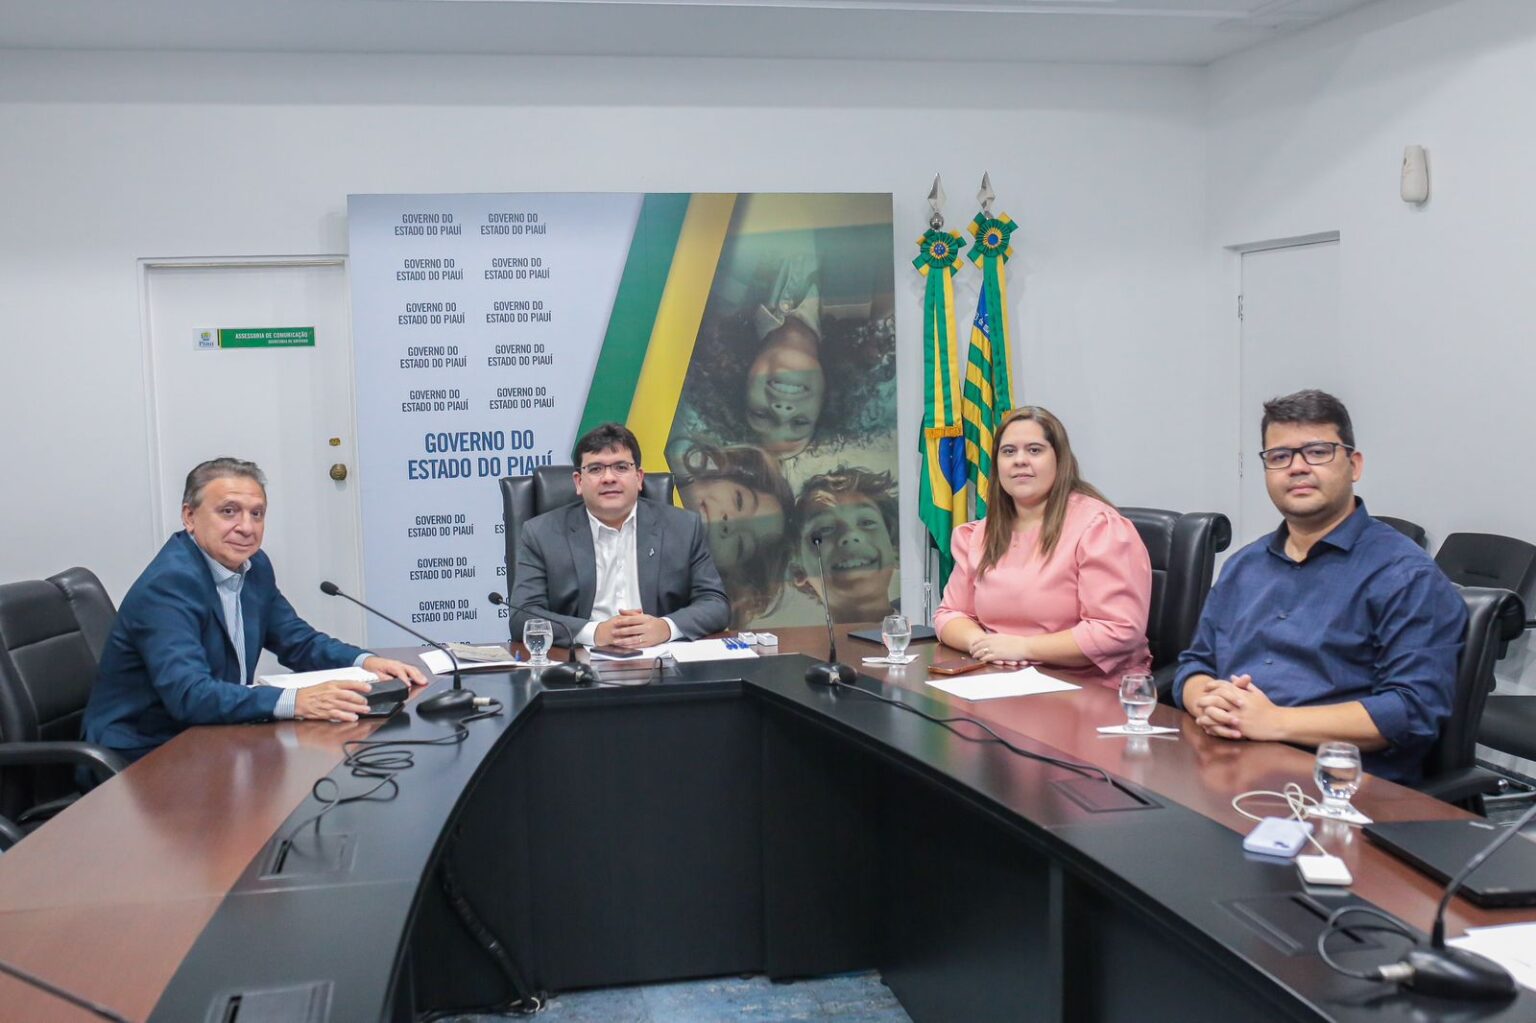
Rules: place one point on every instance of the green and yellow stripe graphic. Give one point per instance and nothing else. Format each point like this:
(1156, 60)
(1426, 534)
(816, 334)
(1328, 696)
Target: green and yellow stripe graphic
(656, 315)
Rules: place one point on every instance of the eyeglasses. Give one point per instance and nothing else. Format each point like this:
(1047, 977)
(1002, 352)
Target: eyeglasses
(1319, 452)
(595, 470)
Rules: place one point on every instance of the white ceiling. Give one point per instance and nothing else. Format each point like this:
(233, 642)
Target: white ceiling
(1190, 32)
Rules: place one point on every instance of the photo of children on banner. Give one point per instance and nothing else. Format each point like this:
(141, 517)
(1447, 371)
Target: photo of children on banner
(854, 513)
(745, 503)
(785, 379)
(791, 383)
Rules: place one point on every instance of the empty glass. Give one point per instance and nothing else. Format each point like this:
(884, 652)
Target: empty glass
(1337, 773)
(1138, 695)
(538, 634)
(896, 633)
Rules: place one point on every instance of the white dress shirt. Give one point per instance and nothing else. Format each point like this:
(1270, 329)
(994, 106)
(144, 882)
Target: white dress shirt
(618, 576)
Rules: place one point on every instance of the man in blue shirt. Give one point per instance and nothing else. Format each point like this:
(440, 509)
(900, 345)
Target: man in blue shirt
(183, 649)
(1335, 627)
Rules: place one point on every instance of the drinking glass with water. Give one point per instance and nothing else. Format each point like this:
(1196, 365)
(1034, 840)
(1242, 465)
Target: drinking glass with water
(896, 633)
(538, 634)
(1138, 695)
(1337, 772)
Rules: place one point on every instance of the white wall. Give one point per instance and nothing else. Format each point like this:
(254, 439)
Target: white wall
(1307, 135)
(1436, 335)
(109, 158)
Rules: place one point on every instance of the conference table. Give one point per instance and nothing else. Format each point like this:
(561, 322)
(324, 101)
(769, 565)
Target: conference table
(710, 819)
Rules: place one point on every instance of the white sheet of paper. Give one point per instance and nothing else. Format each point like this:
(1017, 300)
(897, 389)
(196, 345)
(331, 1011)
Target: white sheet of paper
(706, 650)
(1025, 682)
(301, 679)
(438, 663)
(904, 659)
(1512, 946)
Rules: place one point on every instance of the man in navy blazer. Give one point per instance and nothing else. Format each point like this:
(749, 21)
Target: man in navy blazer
(615, 569)
(183, 650)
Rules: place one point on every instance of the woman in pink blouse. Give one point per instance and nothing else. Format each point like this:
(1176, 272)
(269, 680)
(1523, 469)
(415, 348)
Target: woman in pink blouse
(1053, 575)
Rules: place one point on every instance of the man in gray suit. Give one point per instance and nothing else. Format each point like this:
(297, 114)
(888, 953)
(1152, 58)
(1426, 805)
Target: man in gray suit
(616, 570)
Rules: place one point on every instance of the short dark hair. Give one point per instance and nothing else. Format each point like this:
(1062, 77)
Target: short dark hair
(217, 469)
(601, 438)
(1309, 406)
(879, 488)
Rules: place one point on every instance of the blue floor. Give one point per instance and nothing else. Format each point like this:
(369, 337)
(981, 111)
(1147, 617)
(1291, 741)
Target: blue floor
(851, 998)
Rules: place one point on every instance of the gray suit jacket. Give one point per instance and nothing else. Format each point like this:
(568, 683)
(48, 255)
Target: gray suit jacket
(556, 571)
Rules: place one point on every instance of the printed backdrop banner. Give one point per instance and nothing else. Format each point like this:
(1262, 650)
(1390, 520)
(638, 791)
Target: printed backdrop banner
(746, 339)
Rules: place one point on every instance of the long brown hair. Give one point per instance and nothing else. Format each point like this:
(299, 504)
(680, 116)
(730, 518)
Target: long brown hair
(1001, 513)
(753, 588)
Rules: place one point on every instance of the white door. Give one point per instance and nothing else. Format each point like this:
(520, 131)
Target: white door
(1289, 305)
(288, 409)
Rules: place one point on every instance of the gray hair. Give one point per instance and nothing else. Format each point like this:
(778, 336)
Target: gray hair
(218, 469)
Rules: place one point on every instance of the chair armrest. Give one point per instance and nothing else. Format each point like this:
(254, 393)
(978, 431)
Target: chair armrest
(10, 834)
(1461, 786)
(102, 761)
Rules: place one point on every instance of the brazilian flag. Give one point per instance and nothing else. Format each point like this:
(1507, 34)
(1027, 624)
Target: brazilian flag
(941, 498)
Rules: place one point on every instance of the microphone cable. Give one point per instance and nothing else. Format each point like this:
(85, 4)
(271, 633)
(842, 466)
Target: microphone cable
(94, 1008)
(519, 1001)
(381, 760)
(948, 724)
(1432, 968)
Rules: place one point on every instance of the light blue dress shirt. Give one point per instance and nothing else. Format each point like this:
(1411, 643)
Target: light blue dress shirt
(228, 585)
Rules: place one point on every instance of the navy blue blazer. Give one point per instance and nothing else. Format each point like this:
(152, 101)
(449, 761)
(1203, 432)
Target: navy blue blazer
(169, 664)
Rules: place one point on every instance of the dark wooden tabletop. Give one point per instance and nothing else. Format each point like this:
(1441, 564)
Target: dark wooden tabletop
(1198, 771)
(108, 897)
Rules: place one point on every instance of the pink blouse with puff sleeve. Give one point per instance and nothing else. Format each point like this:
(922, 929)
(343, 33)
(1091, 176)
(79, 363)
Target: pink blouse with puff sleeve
(1098, 584)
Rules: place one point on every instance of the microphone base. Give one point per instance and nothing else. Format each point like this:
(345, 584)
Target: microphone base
(1457, 973)
(454, 701)
(829, 673)
(566, 675)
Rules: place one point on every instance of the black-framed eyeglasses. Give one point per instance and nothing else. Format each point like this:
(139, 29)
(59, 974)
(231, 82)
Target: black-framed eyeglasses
(595, 470)
(1318, 452)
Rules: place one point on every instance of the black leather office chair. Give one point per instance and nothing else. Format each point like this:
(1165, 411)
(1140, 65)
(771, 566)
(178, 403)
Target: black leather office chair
(51, 635)
(1488, 559)
(1183, 549)
(1412, 530)
(10, 834)
(1494, 616)
(551, 487)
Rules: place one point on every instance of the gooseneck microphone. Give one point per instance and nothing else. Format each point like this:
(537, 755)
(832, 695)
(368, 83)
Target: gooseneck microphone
(1436, 969)
(500, 601)
(1457, 972)
(456, 700)
(831, 671)
(572, 672)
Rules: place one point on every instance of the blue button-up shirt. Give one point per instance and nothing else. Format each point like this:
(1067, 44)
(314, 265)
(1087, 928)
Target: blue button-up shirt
(1367, 616)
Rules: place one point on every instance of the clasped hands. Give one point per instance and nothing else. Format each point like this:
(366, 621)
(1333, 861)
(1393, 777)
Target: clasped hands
(1237, 709)
(343, 699)
(1000, 648)
(633, 629)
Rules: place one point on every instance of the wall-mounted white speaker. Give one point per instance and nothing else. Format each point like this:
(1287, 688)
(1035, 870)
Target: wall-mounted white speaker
(1415, 174)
